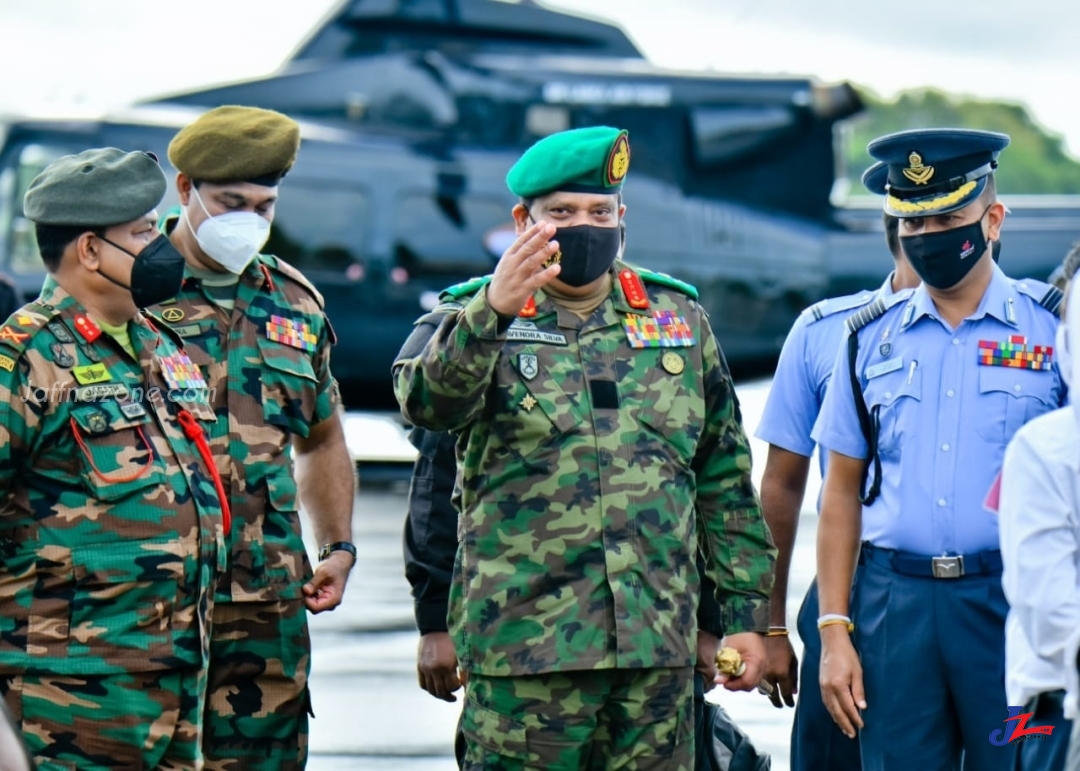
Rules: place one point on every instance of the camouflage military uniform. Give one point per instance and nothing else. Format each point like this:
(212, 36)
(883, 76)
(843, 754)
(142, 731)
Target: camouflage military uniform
(268, 362)
(588, 466)
(111, 537)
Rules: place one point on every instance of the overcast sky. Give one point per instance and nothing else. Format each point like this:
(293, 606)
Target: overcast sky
(108, 52)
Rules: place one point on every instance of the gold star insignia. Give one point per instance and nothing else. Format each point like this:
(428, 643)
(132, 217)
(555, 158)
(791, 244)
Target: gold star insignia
(528, 402)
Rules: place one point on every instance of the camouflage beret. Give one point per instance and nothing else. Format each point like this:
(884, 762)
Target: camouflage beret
(588, 160)
(237, 144)
(96, 188)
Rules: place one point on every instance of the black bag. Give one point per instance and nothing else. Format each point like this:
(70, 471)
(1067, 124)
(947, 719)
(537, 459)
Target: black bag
(721, 745)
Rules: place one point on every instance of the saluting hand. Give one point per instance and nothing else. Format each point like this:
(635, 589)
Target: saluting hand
(520, 270)
(841, 680)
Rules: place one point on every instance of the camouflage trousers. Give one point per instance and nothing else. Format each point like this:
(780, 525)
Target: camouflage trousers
(634, 719)
(139, 721)
(257, 706)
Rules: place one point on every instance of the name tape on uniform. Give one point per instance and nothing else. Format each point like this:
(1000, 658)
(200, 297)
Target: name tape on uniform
(884, 368)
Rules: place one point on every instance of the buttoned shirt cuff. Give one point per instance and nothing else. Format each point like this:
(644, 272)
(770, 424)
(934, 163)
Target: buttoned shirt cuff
(431, 615)
(746, 614)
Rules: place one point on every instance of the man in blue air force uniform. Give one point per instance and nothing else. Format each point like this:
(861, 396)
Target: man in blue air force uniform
(798, 390)
(927, 390)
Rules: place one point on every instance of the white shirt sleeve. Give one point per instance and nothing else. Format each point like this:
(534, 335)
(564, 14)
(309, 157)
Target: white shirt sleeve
(1039, 546)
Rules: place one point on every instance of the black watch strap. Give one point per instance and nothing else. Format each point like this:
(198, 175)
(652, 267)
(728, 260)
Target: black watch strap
(328, 548)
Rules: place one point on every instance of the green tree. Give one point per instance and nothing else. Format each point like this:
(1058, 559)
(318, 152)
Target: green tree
(1034, 162)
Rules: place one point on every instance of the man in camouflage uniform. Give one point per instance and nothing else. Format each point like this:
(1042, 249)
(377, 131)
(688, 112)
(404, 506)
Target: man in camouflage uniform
(257, 328)
(111, 528)
(598, 430)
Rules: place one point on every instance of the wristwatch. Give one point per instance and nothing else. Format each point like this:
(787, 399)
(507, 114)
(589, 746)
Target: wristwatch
(329, 548)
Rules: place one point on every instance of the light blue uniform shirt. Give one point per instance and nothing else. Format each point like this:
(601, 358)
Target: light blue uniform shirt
(944, 417)
(803, 371)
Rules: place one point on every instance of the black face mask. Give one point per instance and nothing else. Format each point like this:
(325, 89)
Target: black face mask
(586, 252)
(157, 273)
(942, 259)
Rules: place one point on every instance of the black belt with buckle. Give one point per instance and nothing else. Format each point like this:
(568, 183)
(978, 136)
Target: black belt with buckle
(983, 563)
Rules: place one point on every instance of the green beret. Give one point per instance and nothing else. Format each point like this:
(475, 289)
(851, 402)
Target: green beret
(588, 160)
(237, 144)
(96, 188)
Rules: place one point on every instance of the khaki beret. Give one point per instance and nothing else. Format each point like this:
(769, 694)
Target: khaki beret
(96, 188)
(587, 160)
(237, 144)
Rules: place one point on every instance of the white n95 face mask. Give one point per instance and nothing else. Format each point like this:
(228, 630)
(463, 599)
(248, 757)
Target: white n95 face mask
(232, 239)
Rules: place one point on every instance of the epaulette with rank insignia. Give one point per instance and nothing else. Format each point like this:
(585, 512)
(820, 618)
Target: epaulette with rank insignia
(664, 279)
(874, 310)
(278, 264)
(21, 326)
(831, 305)
(465, 288)
(1046, 295)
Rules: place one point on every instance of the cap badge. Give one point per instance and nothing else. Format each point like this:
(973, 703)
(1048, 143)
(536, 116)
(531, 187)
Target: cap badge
(918, 173)
(618, 161)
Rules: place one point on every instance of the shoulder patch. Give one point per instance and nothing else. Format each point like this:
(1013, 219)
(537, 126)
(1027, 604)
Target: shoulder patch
(831, 305)
(465, 288)
(1046, 295)
(654, 277)
(21, 326)
(287, 270)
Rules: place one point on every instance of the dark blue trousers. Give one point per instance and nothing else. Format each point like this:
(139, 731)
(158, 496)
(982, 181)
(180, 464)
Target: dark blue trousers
(1046, 754)
(933, 658)
(816, 743)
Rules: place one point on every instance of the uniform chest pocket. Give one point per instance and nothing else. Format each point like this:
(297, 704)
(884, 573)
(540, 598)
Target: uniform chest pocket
(894, 401)
(666, 394)
(288, 385)
(1008, 398)
(115, 448)
(534, 415)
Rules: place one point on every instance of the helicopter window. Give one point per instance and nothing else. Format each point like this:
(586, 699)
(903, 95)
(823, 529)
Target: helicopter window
(437, 235)
(727, 134)
(15, 178)
(320, 229)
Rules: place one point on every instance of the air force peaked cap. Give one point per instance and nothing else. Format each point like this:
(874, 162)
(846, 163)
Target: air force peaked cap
(586, 160)
(96, 188)
(237, 144)
(932, 171)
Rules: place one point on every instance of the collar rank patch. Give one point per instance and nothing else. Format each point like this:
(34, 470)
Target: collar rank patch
(296, 334)
(665, 329)
(87, 328)
(634, 289)
(1015, 352)
(529, 311)
(181, 372)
